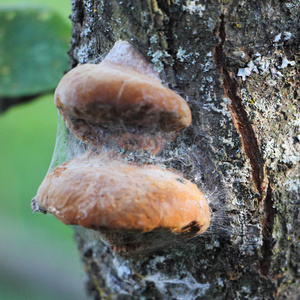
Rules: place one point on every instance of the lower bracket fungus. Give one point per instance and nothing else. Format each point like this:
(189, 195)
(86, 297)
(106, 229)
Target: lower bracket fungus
(135, 208)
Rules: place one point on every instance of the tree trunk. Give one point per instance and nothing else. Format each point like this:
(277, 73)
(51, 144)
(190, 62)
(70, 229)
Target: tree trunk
(235, 62)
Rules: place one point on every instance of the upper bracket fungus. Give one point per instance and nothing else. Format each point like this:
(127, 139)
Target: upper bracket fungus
(121, 100)
(135, 208)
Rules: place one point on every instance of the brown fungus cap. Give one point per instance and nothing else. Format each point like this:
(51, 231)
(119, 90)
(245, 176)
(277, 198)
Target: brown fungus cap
(113, 196)
(120, 95)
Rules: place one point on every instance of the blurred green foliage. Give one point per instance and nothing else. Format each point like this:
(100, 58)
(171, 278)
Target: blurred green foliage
(38, 256)
(33, 50)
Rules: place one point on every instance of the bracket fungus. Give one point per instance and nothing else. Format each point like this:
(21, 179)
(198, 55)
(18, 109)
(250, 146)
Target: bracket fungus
(125, 202)
(135, 208)
(121, 100)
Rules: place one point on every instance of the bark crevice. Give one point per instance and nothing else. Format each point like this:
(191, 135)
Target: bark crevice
(267, 231)
(239, 115)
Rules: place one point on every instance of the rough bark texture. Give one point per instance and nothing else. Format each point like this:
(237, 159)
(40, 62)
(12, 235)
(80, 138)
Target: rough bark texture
(242, 148)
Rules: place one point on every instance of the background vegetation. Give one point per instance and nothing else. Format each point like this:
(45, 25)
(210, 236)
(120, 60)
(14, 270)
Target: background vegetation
(38, 257)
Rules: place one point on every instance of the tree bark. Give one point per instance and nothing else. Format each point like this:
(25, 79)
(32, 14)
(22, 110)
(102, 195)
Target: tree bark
(236, 63)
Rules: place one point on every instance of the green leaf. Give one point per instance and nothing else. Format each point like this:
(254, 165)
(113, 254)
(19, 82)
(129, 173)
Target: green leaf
(33, 51)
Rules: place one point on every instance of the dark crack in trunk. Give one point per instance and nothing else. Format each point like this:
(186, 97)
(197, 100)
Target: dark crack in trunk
(239, 115)
(267, 231)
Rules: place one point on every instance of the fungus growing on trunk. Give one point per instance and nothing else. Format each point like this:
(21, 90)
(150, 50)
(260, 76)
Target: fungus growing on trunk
(121, 100)
(136, 208)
